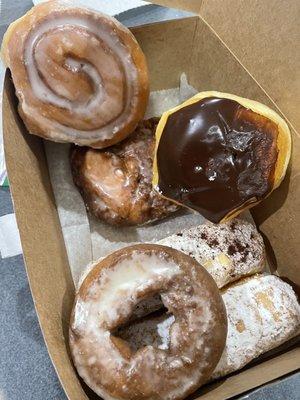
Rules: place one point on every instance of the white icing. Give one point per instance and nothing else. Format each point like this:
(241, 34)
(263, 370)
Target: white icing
(86, 271)
(163, 329)
(118, 287)
(100, 104)
(263, 312)
(210, 245)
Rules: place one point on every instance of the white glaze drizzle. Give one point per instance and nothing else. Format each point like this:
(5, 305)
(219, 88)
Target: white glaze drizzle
(43, 92)
(117, 289)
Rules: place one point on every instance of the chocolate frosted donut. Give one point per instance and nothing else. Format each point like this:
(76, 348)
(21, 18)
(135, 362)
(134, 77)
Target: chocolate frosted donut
(219, 154)
(106, 301)
(115, 183)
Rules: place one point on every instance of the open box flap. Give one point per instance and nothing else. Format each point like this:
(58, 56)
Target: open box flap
(266, 43)
(270, 56)
(278, 216)
(265, 36)
(44, 252)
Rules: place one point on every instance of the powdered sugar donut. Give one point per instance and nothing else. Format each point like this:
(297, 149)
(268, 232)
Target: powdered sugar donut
(263, 312)
(107, 300)
(228, 251)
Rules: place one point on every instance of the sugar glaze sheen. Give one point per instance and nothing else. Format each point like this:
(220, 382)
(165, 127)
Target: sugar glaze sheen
(219, 154)
(192, 339)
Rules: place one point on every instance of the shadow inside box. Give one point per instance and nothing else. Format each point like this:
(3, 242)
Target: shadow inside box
(275, 201)
(90, 394)
(121, 234)
(270, 254)
(67, 306)
(127, 234)
(289, 345)
(273, 265)
(34, 143)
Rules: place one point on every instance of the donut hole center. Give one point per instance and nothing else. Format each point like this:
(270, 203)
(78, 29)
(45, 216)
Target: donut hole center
(149, 325)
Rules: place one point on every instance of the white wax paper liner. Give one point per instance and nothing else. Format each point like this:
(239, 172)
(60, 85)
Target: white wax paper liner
(87, 238)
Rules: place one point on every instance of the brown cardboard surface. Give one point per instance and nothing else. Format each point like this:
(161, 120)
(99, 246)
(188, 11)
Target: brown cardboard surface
(265, 36)
(164, 63)
(43, 246)
(251, 378)
(278, 216)
(272, 56)
(172, 47)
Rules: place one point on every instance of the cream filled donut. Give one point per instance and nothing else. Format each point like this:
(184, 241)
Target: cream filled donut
(80, 76)
(107, 300)
(228, 251)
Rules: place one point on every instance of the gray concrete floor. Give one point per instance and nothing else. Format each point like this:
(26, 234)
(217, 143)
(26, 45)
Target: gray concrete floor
(26, 372)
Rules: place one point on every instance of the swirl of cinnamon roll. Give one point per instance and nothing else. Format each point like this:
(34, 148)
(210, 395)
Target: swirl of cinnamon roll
(80, 76)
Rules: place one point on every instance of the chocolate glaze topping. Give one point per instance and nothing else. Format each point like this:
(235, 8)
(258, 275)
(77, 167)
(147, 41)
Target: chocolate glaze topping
(216, 155)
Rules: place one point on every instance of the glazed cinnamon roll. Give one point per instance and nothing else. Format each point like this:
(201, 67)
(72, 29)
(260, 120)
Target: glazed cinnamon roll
(80, 76)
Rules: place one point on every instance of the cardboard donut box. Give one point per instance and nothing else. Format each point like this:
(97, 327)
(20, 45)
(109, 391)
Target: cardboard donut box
(235, 47)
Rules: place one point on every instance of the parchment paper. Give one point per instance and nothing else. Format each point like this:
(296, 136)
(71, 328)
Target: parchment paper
(87, 238)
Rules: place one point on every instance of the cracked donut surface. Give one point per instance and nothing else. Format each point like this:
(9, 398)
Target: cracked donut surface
(80, 76)
(115, 183)
(106, 300)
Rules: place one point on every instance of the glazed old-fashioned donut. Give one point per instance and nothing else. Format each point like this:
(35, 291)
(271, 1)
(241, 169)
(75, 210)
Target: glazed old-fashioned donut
(80, 76)
(220, 154)
(115, 183)
(106, 301)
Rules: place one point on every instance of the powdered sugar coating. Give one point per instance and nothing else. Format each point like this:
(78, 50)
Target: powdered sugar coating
(228, 251)
(263, 312)
(188, 351)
